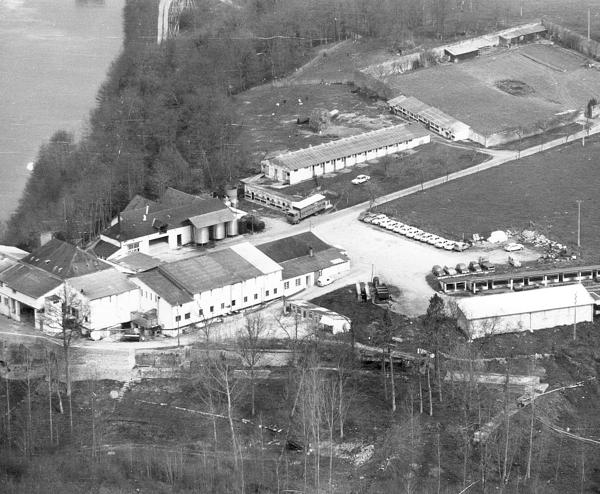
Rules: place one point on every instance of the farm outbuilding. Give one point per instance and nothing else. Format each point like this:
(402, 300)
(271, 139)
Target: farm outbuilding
(462, 51)
(526, 311)
(523, 34)
(435, 119)
(305, 164)
(323, 318)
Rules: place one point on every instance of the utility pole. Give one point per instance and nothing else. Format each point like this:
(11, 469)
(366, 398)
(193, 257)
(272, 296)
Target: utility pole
(589, 21)
(579, 223)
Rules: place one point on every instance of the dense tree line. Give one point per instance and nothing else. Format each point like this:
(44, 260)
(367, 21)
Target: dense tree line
(165, 117)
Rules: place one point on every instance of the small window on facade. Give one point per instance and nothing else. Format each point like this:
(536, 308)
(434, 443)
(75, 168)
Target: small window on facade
(187, 316)
(286, 285)
(256, 296)
(200, 312)
(297, 281)
(212, 308)
(222, 305)
(233, 303)
(245, 299)
(177, 318)
(274, 291)
(267, 293)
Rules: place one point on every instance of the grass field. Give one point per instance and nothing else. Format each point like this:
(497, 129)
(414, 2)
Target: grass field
(390, 173)
(539, 191)
(268, 116)
(559, 81)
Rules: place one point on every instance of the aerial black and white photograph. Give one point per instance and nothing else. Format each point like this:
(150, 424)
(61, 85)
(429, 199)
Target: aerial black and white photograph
(299, 246)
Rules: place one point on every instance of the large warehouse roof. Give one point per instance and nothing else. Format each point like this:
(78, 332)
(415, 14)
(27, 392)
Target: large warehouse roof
(505, 304)
(348, 146)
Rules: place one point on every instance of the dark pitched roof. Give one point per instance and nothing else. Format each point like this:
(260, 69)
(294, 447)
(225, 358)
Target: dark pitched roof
(214, 270)
(29, 280)
(64, 260)
(293, 247)
(103, 249)
(139, 202)
(132, 224)
(173, 197)
(311, 264)
(164, 287)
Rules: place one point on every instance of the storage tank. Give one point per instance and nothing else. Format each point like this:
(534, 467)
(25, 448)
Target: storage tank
(232, 228)
(201, 235)
(219, 231)
(232, 195)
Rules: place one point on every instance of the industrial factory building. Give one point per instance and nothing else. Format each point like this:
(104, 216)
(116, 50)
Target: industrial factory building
(177, 219)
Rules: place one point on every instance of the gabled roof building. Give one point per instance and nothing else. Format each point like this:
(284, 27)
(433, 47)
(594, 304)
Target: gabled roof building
(177, 219)
(304, 258)
(204, 287)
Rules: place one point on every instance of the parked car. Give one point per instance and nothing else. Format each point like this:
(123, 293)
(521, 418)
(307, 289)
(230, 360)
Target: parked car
(475, 267)
(379, 219)
(361, 179)
(412, 233)
(462, 268)
(400, 228)
(433, 239)
(448, 245)
(513, 247)
(450, 271)
(440, 243)
(371, 219)
(460, 246)
(324, 280)
(391, 225)
(426, 237)
(366, 217)
(486, 265)
(438, 271)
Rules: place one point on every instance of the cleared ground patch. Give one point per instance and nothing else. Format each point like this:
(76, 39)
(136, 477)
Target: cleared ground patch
(268, 116)
(537, 192)
(556, 76)
(390, 173)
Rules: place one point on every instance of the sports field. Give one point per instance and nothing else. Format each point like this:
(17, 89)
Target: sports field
(555, 78)
(539, 192)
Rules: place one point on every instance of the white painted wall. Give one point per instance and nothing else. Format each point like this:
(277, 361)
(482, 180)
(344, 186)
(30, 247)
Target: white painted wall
(112, 311)
(533, 321)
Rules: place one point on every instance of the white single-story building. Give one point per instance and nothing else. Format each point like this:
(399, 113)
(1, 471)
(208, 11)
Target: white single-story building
(435, 119)
(305, 164)
(529, 310)
(204, 287)
(305, 257)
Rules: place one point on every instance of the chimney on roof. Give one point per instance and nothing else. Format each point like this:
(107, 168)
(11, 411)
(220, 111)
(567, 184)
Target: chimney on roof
(144, 218)
(310, 251)
(147, 208)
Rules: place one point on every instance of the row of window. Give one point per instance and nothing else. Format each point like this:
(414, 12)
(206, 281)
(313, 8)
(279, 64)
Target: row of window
(212, 307)
(150, 296)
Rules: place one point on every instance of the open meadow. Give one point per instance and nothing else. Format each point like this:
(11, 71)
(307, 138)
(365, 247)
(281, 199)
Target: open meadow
(554, 81)
(539, 192)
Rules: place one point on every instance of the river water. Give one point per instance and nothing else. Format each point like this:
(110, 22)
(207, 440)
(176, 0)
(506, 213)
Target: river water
(54, 54)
